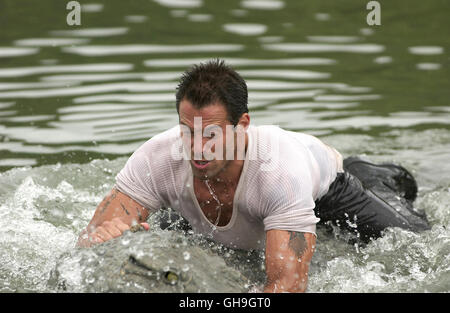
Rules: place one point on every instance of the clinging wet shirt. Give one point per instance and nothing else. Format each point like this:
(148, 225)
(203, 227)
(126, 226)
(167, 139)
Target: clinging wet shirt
(284, 173)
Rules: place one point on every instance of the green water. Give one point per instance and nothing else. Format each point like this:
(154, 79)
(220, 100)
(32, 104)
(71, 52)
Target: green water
(38, 128)
(76, 101)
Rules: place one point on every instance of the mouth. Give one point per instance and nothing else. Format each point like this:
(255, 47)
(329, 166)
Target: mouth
(200, 164)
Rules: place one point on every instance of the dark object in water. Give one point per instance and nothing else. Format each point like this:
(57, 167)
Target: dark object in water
(154, 261)
(383, 177)
(367, 198)
(136, 228)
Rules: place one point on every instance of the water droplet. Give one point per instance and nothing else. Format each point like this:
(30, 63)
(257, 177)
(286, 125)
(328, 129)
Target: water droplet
(186, 255)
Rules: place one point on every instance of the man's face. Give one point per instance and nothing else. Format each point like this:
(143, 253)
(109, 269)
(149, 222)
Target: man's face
(212, 117)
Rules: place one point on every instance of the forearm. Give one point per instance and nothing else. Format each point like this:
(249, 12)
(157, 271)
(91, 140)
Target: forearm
(116, 213)
(288, 255)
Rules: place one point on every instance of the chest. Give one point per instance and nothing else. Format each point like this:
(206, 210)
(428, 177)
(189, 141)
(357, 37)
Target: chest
(215, 201)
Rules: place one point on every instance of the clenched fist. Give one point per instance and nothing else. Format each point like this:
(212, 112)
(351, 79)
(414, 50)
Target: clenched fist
(114, 215)
(106, 231)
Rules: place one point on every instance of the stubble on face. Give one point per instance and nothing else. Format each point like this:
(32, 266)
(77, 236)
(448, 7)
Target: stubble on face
(213, 114)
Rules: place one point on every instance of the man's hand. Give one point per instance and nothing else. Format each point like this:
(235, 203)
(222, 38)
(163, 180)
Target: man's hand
(288, 255)
(106, 231)
(114, 215)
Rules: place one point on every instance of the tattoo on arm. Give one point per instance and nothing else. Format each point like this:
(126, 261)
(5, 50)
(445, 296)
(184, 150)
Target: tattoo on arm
(125, 209)
(108, 201)
(138, 213)
(297, 243)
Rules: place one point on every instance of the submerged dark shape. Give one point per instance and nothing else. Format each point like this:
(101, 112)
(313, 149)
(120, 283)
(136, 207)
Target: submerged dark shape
(394, 184)
(367, 198)
(155, 261)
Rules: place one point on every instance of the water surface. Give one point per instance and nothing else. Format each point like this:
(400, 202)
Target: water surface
(76, 101)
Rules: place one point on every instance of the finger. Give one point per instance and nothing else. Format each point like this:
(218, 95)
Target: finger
(94, 239)
(122, 227)
(111, 229)
(120, 224)
(103, 234)
(146, 226)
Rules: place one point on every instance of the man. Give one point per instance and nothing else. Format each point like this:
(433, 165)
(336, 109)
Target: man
(244, 186)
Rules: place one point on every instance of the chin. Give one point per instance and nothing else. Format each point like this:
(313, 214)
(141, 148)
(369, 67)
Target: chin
(205, 175)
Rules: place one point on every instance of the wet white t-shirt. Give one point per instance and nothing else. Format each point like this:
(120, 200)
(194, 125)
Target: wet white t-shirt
(284, 173)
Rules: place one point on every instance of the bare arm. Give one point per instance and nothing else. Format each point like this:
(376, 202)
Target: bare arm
(288, 255)
(116, 213)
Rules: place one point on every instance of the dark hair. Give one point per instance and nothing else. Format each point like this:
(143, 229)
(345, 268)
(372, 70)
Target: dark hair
(213, 81)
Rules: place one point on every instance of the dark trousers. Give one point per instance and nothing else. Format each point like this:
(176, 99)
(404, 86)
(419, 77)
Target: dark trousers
(367, 198)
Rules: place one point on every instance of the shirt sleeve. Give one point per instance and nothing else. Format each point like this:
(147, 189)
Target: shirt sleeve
(288, 204)
(136, 181)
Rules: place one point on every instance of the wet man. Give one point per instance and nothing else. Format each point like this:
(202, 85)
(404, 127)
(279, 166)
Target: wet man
(249, 187)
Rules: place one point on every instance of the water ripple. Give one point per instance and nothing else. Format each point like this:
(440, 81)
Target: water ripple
(426, 50)
(333, 39)
(428, 66)
(200, 17)
(50, 42)
(286, 74)
(170, 97)
(4, 105)
(7, 52)
(263, 4)
(72, 91)
(306, 47)
(30, 85)
(148, 76)
(92, 7)
(245, 29)
(92, 32)
(180, 3)
(144, 49)
(240, 62)
(77, 68)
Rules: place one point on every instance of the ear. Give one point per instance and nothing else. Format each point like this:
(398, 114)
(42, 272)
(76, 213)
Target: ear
(244, 121)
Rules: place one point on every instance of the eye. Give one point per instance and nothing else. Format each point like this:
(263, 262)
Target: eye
(211, 135)
(171, 278)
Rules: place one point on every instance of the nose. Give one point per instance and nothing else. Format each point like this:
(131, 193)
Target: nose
(197, 147)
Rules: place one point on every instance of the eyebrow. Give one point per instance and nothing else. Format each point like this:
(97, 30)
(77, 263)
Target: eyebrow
(180, 122)
(192, 129)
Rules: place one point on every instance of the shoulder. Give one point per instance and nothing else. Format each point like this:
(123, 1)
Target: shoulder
(279, 165)
(277, 150)
(165, 146)
(276, 137)
(161, 140)
(158, 154)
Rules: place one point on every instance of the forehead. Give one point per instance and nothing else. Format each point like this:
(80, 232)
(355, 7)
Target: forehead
(211, 114)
